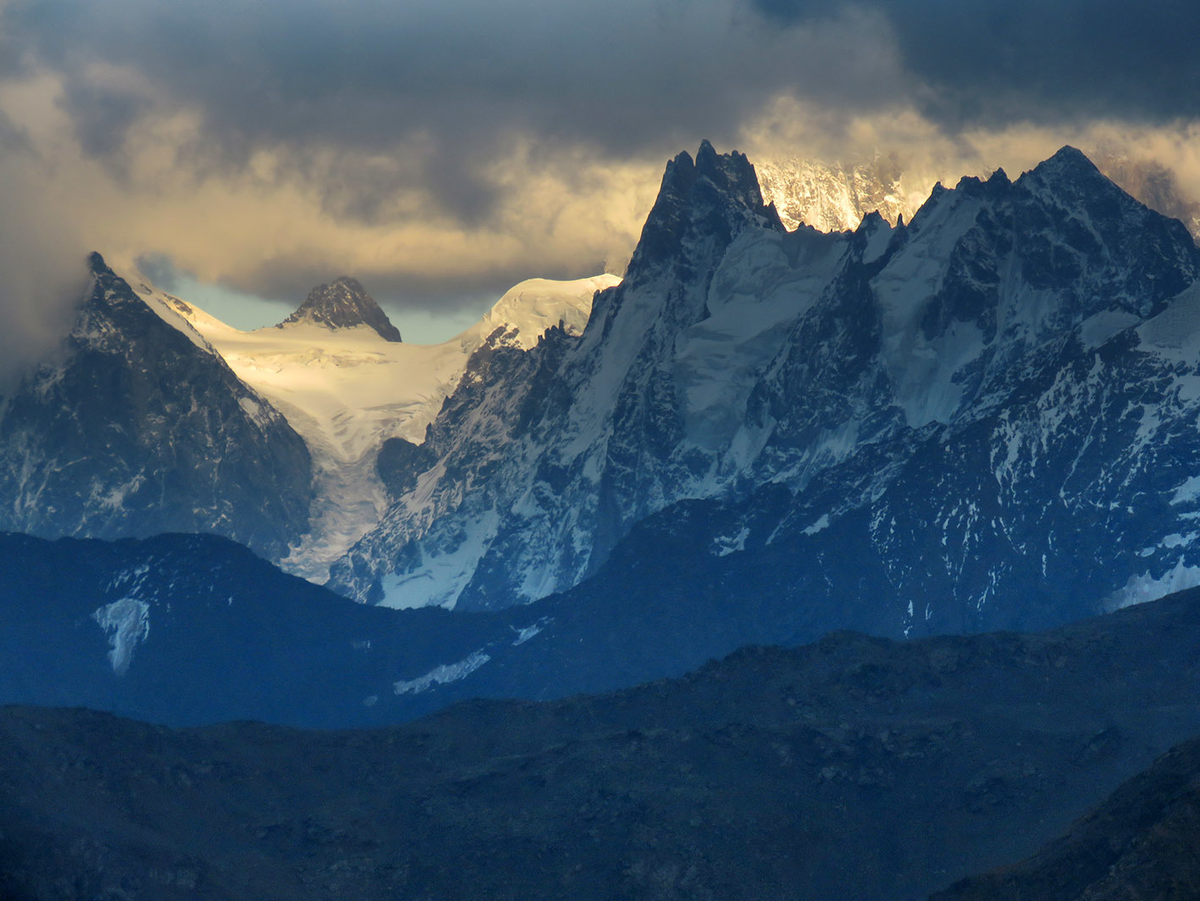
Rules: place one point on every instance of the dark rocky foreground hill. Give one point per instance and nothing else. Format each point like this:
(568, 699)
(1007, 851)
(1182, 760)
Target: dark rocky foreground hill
(1143, 842)
(192, 629)
(851, 768)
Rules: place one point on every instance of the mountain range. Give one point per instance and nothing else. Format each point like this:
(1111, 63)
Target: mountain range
(978, 419)
(154, 416)
(837, 196)
(927, 428)
(975, 419)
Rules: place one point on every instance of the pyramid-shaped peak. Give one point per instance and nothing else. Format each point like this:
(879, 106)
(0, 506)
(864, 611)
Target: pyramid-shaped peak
(1070, 180)
(96, 264)
(1068, 155)
(1068, 162)
(343, 303)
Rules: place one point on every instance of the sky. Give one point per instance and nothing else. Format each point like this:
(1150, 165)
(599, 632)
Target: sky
(440, 152)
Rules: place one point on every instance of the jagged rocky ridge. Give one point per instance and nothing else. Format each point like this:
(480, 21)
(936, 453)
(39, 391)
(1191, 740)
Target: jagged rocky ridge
(138, 423)
(836, 196)
(137, 426)
(980, 419)
(344, 303)
(851, 768)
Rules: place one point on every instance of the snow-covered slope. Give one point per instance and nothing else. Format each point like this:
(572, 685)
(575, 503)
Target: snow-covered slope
(347, 388)
(531, 307)
(736, 357)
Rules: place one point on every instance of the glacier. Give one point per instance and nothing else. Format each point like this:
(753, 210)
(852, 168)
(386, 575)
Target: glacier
(348, 389)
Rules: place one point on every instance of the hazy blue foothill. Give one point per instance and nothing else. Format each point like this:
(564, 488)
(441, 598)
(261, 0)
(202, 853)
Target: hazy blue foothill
(852, 767)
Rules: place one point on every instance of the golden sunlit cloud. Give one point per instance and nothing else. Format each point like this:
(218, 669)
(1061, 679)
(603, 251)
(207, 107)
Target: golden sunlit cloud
(283, 217)
(564, 213)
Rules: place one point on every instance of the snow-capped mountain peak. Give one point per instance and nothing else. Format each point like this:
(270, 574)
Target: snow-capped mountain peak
(528, 309)
(344, 303)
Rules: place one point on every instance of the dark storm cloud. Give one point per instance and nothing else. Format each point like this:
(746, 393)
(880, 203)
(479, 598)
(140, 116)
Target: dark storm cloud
(453, 84)
(102, 117)
(1049, 60)
(444, 150)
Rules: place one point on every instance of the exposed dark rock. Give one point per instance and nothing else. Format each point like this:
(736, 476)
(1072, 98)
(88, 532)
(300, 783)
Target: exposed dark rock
(400, 462)
(344, 303)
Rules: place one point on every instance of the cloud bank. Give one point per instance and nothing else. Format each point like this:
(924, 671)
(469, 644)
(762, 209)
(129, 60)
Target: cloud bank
(42, 271)
(441, 152)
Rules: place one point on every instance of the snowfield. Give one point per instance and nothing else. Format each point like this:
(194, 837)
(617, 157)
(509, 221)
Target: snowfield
(347, 390)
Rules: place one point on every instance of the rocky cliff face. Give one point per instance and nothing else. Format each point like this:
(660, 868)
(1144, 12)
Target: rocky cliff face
(137, 427)
(1153, 184)
(545, 430)
(955, 401)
